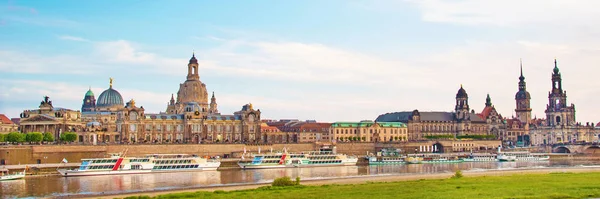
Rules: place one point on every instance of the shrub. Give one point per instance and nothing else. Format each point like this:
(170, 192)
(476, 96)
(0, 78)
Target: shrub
(298, 180)
(457, 174)
(283, 181)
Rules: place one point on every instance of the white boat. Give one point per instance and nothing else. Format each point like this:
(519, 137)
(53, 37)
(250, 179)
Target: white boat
(4, 175)
(306, 159)
(481, 157)
(431, 158)
(118, 164)
(521, 156)
(387, 156)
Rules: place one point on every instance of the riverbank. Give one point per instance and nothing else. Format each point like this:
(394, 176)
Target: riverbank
(475, 177)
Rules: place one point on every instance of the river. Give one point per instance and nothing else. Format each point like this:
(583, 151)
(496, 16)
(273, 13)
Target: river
(58, 186)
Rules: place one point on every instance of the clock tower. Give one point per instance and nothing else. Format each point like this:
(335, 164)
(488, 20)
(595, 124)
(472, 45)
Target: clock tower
(89, 102)
(558, 113)
(523, 99)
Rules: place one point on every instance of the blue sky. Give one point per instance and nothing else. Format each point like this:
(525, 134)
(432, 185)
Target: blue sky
(325, 60)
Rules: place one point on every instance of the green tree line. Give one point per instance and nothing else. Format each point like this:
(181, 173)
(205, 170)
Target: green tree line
(36, 137)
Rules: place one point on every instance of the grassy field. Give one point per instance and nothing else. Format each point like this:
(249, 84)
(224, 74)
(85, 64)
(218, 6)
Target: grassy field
(553, 185)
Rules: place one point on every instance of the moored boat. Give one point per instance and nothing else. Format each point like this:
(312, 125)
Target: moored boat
(4, 175)
(306, 159)
(118, 164)
(432, 158)
(481, 157)
(387, 156)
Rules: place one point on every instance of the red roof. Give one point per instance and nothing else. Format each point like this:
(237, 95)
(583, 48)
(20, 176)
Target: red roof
(5, 120)
(486, 112)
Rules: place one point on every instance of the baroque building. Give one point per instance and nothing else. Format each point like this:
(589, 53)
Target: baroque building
(189, 118)
(50, 119)
(7, 125)
(560, 125)
(369, 131)
(462, 122)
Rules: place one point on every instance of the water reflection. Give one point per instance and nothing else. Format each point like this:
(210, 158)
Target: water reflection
(61, 186)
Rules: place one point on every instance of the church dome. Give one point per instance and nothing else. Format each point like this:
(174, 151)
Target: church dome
(461, 93)
(110, 97)
(89, 93)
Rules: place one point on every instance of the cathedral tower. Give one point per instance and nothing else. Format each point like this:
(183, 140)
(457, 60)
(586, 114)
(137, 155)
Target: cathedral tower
(522, 98)
(557, 111)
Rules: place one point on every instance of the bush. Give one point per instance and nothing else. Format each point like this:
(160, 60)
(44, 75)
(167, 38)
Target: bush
(283, 181)
(457, 174)
(298, 180)
(48, 137)
(435, 137)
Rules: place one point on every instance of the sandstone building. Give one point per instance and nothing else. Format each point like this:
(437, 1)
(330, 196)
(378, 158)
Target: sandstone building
(462, 122)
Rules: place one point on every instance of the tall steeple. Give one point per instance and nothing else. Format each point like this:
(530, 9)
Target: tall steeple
(522, 99)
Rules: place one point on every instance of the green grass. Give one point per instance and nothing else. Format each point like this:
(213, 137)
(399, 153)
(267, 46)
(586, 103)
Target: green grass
(554, 185)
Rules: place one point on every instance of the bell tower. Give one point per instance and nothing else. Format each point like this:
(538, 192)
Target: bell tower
(557, 111)
(523, 98)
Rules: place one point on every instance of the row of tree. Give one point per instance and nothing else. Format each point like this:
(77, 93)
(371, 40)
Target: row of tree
(36, 137)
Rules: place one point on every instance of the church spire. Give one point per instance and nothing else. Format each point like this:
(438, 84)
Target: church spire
(522, 78)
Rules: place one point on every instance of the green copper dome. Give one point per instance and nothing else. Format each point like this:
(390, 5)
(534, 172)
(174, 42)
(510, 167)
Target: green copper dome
(89, 93)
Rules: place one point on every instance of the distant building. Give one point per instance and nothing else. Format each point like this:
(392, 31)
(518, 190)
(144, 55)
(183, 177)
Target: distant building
(189, 118)
(560, 125)
(7, 125)
(369, 131)
(462, 122)
(50, 119)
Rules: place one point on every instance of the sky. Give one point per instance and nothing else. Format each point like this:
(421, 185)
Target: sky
(324, 60)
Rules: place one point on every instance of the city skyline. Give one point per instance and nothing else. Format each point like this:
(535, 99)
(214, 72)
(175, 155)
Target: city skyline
(357, 68)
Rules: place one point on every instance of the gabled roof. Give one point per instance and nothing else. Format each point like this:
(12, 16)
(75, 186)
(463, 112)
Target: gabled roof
(486, 112)
(5, 120)
(40, 118)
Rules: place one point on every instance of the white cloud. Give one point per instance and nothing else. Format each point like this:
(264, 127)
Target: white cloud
(510, 12)
(72, 38)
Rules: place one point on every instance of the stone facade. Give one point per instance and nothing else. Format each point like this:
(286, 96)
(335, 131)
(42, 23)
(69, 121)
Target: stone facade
(189, 119)
(6, 125)
(559, 126)
(457, 123)
(369, 131)
(48, 119)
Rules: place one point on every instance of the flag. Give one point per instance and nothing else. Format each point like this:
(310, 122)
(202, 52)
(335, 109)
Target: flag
(64, 160)
(258, 149)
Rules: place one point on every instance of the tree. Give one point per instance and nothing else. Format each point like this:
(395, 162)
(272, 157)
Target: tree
(15, 137)
(68, 137)
(364, 138)
(34, 137)
(48, 137)
(2, 137)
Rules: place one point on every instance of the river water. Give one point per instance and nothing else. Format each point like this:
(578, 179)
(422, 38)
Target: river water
(58, 186)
